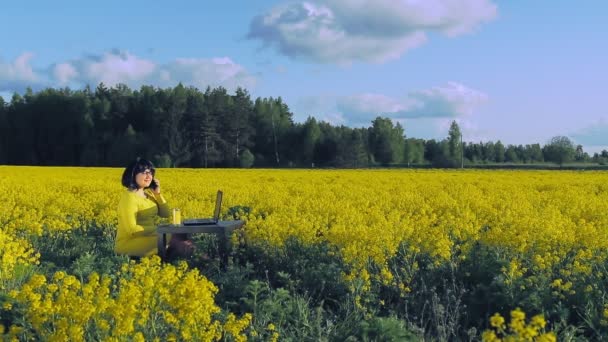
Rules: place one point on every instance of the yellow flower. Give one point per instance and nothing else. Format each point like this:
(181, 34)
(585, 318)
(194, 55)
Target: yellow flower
(543, 224)
(497, 321)
(518, 315)
(489, 336)
(538, 321)
(548, 337)
(139, 337)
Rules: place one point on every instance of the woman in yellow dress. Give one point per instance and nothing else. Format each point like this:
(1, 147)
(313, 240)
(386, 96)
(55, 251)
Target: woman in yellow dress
(137, 209)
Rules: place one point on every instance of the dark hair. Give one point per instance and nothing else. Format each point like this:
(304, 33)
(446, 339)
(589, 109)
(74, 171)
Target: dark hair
(135, 167)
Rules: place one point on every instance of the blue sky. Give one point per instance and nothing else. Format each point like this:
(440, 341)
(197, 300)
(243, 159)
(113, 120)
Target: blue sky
(515, 71)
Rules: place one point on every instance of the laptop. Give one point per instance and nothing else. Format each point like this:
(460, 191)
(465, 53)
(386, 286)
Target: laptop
(208, 221)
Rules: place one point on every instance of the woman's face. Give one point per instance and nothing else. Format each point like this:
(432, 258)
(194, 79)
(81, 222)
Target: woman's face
(144, 178)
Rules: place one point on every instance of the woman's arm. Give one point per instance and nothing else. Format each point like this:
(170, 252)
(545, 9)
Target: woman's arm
(163, 206)
(161, 203)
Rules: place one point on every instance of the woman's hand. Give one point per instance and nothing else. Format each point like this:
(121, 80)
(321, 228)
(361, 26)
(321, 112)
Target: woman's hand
(156, 190)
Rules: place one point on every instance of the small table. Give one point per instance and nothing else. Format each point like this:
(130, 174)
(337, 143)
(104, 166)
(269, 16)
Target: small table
(223, 230)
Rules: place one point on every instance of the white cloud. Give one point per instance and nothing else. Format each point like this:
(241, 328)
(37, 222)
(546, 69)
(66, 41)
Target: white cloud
(6, 96)
(371, 103)
(449, 101)
(346, 31)
(18, 75)
(424, 113)
(322, 107)
(362, 108)
(64, 72)
(207, 72)
(471, 132)
(116, 67)
(595, 134)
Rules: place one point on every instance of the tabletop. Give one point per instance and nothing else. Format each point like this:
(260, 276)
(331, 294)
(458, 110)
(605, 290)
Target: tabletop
(219, 227)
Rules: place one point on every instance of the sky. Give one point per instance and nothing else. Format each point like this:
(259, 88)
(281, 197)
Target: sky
(520, 72)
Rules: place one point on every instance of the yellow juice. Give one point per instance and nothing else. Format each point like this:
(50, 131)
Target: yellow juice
(177, 217)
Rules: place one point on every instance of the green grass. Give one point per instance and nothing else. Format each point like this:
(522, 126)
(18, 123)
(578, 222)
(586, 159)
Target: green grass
(300, 290)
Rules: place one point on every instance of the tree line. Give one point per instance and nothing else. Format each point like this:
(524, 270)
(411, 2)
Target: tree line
(186, 127)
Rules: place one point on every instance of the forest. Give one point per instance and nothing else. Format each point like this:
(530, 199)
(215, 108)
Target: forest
(186, 127)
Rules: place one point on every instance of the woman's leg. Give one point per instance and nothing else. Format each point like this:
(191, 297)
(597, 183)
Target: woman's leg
(138, 247)
(180, 246)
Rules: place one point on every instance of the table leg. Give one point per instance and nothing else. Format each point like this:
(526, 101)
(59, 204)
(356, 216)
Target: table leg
(223, 250)
(162, 246)
(225, 246)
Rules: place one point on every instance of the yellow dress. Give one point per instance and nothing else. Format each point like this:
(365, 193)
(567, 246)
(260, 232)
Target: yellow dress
(136, 233)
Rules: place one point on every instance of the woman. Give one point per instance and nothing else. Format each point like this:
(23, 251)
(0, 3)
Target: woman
(138, 207)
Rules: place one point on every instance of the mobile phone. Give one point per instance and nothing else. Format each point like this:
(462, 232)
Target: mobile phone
(153, 184)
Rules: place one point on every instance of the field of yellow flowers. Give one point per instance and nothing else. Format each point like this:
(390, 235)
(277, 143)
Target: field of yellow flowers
(501, 240)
